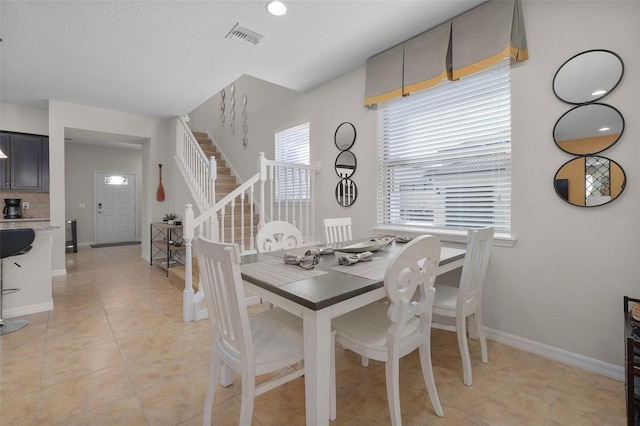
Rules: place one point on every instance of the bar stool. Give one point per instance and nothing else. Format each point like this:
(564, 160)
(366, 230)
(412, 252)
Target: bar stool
(13, 242)
(73, 242)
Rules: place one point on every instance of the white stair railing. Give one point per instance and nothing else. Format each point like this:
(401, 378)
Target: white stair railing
(198, 170)
(286, 191)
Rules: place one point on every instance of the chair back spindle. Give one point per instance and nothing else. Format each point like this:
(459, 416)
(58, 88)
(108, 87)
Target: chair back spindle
(337, 230)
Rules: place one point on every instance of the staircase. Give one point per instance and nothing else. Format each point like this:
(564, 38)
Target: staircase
(225, 184)
(231, 211)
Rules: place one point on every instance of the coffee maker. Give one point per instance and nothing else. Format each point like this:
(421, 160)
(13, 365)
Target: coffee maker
(11, 208)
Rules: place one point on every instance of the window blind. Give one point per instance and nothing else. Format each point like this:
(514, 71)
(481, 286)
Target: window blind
(445, 155)
(292, 146)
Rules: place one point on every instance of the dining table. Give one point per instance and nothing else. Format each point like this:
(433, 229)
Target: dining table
(328, 290)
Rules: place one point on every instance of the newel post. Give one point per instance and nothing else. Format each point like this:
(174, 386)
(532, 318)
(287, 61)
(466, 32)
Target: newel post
(188, 304)
(262, 169)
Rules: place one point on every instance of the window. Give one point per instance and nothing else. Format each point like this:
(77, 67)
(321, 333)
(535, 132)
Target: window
(116, 180)
(292, 146)
(445, 155)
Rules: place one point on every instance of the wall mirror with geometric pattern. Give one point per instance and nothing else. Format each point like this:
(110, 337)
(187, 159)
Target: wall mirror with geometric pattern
(589, 181)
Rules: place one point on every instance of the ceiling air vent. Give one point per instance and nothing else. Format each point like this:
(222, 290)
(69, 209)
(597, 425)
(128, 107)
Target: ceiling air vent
(244, 34)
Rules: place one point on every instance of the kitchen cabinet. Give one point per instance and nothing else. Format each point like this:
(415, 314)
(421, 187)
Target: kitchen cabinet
(26, 167)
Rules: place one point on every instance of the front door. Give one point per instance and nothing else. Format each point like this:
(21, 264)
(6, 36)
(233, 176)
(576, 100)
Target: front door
(115, 207)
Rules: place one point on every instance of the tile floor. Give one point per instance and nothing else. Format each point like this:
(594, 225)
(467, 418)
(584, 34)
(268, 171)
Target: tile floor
(115, 351)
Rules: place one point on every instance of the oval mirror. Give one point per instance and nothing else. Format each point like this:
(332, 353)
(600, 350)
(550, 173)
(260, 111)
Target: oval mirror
(345, 164)
(589, 181)
(346, 192)
(588, 76)
(588, 129)
(345, 136)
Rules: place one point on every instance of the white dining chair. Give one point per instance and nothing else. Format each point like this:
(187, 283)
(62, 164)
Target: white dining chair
(387, 332)
(264, 343)
(337, 230)
(277, 235)
(453, 305)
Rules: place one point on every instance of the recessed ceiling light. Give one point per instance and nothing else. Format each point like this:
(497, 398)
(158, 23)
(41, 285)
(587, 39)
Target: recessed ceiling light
(603, 129)
(276, 8)
(599, 92)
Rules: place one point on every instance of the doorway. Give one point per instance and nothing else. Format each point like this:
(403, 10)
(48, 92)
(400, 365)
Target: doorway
(115, 207)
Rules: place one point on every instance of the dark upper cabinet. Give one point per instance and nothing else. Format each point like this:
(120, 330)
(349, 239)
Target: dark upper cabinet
(26, 167)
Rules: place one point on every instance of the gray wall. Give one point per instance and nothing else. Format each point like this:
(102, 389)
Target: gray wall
(82, 161)
(559, 288)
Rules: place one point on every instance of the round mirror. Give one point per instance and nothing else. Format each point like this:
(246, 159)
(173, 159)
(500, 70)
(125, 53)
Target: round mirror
(588, 129)
(345, 136)
(589, 181)
(588, 76)
(346, 192)
(345, 164)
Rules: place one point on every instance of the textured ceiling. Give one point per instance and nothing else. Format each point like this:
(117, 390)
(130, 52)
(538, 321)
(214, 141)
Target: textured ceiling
(165, 58)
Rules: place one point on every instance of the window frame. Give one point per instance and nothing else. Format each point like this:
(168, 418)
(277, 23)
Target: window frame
(388, 215)
(298, 135)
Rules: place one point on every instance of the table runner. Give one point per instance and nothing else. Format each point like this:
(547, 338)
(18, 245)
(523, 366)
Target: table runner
(276, 272)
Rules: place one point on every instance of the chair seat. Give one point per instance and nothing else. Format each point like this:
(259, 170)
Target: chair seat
(446, 298)
(368, 327)
(277, 338)
(445, 301)
(14, 241)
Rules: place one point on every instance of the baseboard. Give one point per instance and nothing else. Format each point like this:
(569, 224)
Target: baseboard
(58, 272)
(28, 310)
(576, 360)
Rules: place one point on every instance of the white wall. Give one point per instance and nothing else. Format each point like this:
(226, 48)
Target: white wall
(562, 283)
(325, 107)
(82, 161)
(16, 118)
(158, 150)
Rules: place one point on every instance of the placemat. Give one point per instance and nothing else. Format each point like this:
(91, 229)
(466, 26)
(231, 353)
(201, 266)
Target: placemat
(276, 272)
(373, 270)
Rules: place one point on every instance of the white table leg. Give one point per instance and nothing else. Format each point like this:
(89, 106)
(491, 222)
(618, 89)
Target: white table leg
(317, 360)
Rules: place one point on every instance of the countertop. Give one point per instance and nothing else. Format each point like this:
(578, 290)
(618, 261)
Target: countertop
(33, 223)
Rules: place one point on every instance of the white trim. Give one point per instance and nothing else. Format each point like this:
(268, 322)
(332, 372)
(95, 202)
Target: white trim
(576, 360)
(28, 310)
(58, 272)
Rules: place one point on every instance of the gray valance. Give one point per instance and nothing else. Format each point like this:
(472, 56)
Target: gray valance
(484, 36)
(427, 59)
(469, 43)
(384, 76)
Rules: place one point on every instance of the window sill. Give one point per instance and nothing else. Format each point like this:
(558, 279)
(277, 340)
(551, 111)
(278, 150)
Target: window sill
(499, 240)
